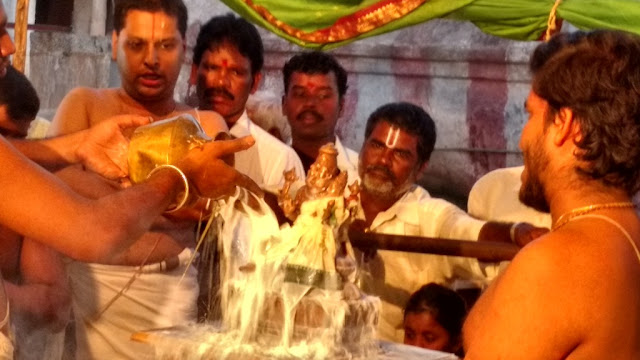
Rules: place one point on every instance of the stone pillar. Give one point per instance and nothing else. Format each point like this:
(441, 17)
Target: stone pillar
(98, 18)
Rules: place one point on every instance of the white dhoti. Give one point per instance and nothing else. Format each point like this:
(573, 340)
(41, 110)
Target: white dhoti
(157, 298)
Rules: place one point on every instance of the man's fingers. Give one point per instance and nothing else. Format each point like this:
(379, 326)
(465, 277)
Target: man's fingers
(228, 147)
(127, 121)
(244, 181)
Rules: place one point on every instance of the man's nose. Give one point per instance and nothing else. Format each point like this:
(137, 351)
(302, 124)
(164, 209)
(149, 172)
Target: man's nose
(218, 78)
(7, 47)
(151, 57)
(385, 156)
(311, 101)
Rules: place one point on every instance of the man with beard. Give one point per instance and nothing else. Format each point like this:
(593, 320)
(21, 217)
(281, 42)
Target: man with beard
(314, 88)
(573, 294)
(494, 197)
(399, 139)
(148, 44)
(226, 69)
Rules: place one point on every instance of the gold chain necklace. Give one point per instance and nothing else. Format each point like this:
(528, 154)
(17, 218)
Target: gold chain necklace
(568, 216)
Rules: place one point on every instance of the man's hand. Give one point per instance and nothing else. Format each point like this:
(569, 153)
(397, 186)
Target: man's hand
(524, 233)
(105, 146)
(211, 175)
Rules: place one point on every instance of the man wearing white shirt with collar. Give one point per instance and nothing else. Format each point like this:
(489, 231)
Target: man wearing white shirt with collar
(314, 88)
(226, 69)
(399, 139)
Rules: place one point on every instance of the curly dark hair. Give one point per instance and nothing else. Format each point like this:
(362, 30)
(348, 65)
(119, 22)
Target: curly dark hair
(235, 31)
(315, 62)
(175, 8)
(596, 75)
(411, 119)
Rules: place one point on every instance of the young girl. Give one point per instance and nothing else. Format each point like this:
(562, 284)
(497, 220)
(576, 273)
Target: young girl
(433, 319)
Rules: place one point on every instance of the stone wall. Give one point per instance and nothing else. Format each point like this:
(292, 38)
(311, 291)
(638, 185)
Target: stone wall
(60, 61)
(472, 84)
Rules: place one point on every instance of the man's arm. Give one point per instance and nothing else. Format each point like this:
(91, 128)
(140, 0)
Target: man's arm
(40, 206)
(103, 148)
(516, 233)
(212, 123)
(43, 294)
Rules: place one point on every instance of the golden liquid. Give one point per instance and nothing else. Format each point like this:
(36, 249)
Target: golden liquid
(163, 142)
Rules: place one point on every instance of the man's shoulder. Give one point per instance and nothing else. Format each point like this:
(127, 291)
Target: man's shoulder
(559, 254)
(418, 198)
(268, 141)
(88, 94)
(417, 193)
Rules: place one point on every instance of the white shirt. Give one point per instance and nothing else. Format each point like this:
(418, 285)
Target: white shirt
(347, 161)
(394, 276)
(267, 159)
(494, 197)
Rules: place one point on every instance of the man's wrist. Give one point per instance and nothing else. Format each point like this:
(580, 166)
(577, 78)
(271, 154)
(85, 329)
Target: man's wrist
(182, 196)
(513, 232)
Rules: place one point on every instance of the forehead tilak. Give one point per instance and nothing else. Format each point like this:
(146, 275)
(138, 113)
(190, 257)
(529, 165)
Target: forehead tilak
(393, 133)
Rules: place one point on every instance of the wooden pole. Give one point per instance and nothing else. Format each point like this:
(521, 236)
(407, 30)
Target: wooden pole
(486, 250)
(20, 31)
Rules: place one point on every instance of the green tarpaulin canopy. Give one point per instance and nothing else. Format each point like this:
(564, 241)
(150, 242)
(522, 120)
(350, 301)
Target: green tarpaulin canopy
(332, 23)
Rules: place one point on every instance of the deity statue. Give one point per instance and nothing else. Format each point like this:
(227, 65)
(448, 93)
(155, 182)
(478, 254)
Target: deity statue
(324, 180)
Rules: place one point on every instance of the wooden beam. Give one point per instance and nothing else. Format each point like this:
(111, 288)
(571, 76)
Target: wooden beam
(486, 250)
(22, 16)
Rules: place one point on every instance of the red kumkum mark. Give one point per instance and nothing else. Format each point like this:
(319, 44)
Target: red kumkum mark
(225, 63)
(153, 29)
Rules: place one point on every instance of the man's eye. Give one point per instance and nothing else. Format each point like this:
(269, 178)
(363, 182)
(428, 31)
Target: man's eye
(403, 155)
(135, 45)
(168, 45)
(325, 95)
(429, 337)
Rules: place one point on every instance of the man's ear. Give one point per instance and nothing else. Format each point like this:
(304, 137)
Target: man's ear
(566, 128)
(257, 77)
(282, 105)
(193, 76)
(114, 45)
(422, 168)
(340, 107)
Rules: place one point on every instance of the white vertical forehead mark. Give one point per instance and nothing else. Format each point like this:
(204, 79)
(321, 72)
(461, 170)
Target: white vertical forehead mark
(392, 137)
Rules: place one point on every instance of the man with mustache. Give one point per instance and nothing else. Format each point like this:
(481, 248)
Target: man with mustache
(226, 69)
(41, 207)
(399, 139)
(314, 88)
(573, 294)
(148, 44)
